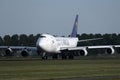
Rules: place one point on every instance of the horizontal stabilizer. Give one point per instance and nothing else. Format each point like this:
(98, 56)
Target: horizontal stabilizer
(90, 39)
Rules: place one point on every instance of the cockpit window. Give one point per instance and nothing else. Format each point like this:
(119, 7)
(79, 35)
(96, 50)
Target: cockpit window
(42, 36)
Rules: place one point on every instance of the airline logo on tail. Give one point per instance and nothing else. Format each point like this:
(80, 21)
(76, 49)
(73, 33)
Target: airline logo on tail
(74, 31)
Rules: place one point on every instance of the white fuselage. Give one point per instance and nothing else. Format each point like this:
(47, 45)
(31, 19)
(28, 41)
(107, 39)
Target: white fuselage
(51, 44)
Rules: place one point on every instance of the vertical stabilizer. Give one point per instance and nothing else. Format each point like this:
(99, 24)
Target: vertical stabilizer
(74, 30)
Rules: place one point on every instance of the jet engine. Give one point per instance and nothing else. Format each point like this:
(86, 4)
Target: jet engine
(25, 53)
(9, 52)
(110, 50)
(83, 52)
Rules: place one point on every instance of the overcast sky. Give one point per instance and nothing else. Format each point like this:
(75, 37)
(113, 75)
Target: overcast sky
(56, 17)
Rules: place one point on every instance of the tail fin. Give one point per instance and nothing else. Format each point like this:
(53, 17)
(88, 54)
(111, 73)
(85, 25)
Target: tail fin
(74, 31)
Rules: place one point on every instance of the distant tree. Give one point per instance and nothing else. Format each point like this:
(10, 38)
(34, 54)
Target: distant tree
(1, 41)
(84, 36)
(107, 39)
(90, 36)
(98, 36)
(31, 40)
(114, 39)
(7, 40)
(118, 40)
(23, 41)
(15, 40)
(36, 37)
(98, 42)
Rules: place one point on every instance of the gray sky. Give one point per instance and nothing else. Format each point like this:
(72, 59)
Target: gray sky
(57, 16)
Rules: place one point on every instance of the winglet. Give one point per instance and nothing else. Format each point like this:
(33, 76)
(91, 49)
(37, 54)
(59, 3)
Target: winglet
(74, 31)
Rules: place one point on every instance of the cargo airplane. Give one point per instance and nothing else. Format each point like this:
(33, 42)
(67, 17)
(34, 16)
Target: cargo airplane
(66, 47)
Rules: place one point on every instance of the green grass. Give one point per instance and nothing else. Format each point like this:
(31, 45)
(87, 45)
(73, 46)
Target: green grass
(57, 69)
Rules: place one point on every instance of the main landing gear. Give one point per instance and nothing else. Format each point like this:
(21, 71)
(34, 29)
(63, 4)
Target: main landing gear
(65, 56)
(44, 56)
(55, 56)
(62, 56)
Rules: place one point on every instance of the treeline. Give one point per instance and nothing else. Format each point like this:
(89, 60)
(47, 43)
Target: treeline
(19, 40)
(107, 39)
(30, 40)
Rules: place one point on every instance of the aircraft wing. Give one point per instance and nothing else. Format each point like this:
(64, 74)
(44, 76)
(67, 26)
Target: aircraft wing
(24, 50)
(83, 49)
(18, 47)
(90, 47)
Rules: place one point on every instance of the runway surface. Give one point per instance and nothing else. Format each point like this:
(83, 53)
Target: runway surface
(37, 69)
(96, 78)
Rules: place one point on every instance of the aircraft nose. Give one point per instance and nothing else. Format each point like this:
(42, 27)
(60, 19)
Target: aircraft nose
(42, 44)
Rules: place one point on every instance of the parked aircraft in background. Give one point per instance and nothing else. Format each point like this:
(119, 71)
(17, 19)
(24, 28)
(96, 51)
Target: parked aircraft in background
(66, 47)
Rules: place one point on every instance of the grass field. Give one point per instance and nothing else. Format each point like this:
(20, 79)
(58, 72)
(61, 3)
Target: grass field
(107, 69)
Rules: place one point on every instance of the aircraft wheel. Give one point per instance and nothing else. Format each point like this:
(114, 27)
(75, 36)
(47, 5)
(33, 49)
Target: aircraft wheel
(71, 57)
(44, 58)
(64, 56)
(55, 56)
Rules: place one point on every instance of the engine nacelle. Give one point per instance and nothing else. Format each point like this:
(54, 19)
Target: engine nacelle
(83, 52)
(110, 50)
(8, 52)
(25, 53)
